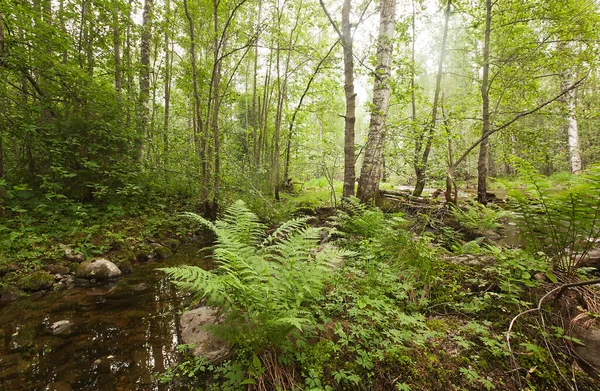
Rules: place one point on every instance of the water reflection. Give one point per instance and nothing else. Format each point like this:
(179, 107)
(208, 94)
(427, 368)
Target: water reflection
(111, 337)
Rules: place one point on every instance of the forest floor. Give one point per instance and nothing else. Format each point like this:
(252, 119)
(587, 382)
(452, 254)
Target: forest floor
(426, 301)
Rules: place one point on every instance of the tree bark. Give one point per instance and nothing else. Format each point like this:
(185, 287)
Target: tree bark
(483, 146)
(370, 175)
(572, 128)
(350, 116)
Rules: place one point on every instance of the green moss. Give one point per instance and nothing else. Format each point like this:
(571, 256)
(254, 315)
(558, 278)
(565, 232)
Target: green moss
(162, 252)
(124, 265)
(36, 281)
(171, 243)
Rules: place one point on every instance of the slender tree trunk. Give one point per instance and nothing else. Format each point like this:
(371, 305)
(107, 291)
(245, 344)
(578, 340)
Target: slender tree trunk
(572, 128)
(167, 81)
(370, 175)
(144, 99)
(255, 106)
(117, 50)
(350, 115)
(421, 164)
(483, 146)
(129, 66)
(199, 145)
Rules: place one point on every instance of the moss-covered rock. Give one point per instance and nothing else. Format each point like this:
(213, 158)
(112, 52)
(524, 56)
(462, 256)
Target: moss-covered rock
(124, 265)
(144, 254)
(171, 243)
(57, 269)
(36, 281)
(162, 252)
(128, 255)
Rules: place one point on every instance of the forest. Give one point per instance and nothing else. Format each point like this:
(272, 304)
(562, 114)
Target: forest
(299, 195)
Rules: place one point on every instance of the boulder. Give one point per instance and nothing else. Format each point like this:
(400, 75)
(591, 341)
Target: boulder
(587, 329)
(205, 344)
(36, 281)
(98, 269)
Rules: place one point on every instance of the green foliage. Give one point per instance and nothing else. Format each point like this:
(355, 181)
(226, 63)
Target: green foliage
(479, 217)
(564, 224)
(261, 283)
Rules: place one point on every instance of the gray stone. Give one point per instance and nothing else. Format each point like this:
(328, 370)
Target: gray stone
(98, 269)
(61, 327)
(587, 330)
(205, 343)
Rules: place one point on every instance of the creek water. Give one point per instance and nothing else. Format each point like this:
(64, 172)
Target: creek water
(119, 335)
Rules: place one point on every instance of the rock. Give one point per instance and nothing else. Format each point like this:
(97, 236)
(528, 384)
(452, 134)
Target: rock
(140, 287)
(9, 296)
(72, 255)
(590, 259)
(8, 268)
(205, 344)
(154, 245)
(37, 281)
(587, 329)
(57, 269)
(145, 255)
(98, 269)
(162, 252)
(67, 281)
(172, 243)
(61, 327)
(124, 265)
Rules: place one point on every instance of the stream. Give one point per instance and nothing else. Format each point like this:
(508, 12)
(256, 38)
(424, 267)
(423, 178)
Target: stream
(114, 336)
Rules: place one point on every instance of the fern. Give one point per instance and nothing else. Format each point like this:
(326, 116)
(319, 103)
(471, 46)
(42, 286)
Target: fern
(262, 282)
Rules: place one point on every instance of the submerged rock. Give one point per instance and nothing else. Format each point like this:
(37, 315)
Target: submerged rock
(61, 327)
(58, 386)
(37, 281)
(205, 344)
(98, 269)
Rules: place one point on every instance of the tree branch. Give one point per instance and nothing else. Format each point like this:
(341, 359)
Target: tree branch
(516, 118)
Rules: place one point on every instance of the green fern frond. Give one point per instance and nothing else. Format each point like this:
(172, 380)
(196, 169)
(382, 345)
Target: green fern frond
(285, 230)
(199, 220)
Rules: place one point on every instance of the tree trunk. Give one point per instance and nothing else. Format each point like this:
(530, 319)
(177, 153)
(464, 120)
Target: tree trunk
(117, 50)
(370, 175)
(199, 146)
(146, 39)
(421, 164)
(167, 81)
(572, 129)
(350, 115)
(483, 146)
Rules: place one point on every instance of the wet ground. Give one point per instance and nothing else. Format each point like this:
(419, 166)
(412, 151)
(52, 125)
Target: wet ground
(116, 336)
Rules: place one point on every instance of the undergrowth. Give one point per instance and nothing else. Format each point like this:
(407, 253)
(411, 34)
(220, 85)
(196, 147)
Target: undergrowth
(401, 314)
